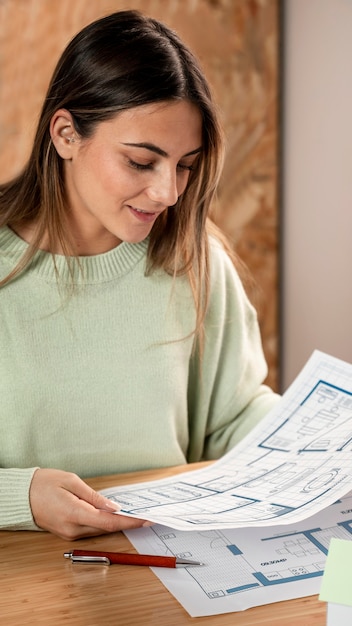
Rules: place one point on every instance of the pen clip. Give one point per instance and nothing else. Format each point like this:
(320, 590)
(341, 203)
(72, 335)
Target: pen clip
(90, 559)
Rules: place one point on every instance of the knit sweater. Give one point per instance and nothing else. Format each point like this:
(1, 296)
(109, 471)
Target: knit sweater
(102, 378)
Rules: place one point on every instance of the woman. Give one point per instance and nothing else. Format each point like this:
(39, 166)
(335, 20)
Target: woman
(126, 339)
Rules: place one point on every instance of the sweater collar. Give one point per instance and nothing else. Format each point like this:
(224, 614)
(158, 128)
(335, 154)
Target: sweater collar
(86, 269)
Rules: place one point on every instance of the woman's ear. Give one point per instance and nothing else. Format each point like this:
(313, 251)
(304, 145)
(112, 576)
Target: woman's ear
(63, 134)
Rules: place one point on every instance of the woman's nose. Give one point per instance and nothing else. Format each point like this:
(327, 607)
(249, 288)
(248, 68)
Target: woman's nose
(164, 189)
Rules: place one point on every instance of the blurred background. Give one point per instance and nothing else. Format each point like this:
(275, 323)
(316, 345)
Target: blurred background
(281, 74)
(316, 167)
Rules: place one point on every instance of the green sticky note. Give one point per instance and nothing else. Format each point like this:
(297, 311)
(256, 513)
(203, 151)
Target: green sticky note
(336, 584)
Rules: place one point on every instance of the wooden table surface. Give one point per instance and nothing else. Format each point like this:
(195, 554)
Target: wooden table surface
(38, 586)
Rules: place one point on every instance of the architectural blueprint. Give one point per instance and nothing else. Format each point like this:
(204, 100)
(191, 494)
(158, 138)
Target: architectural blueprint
(246, 567)
(296, 462)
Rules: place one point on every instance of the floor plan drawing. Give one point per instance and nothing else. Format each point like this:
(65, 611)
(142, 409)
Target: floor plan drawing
(294, 463)
(247, 567)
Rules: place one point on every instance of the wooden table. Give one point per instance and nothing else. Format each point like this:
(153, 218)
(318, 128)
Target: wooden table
(38, 586)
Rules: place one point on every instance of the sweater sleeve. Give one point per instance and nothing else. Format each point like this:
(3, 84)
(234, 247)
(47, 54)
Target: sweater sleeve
(226, 394)
(15, 510)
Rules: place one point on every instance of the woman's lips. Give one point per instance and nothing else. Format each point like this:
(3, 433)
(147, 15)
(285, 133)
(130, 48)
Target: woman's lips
(143, 216)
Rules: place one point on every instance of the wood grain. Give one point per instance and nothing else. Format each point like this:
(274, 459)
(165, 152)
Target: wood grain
(38, 586)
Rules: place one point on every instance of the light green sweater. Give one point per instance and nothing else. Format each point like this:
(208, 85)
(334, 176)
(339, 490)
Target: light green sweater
(103, 380)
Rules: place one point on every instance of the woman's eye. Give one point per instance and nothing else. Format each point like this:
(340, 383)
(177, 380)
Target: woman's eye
(149, 166)
(140, 166)
(189, 168)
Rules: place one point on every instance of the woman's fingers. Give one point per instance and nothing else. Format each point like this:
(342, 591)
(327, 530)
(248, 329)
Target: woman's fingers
(65, 505)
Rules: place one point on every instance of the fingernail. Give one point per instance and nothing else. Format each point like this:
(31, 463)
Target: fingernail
(148, 524)
(112, 506)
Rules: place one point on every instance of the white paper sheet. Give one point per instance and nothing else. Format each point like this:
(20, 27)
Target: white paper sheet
(246, 567)
(296, 462)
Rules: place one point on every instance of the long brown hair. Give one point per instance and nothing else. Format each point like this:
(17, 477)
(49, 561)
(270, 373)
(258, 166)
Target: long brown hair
(118, 62)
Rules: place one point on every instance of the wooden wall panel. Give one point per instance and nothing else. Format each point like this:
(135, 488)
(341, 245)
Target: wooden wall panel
(237, 43)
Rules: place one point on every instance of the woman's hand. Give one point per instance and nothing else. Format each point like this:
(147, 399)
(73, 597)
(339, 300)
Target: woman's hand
(65, 505)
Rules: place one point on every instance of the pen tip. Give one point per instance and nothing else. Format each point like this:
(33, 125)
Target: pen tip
(67, 555)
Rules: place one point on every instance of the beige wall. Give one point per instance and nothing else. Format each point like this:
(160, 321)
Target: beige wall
(236, 41)
(317, 184)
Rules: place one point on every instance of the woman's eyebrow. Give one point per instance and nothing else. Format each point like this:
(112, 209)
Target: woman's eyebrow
(157, 150)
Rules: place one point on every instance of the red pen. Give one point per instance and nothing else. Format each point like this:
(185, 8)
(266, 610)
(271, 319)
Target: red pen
(124, 558)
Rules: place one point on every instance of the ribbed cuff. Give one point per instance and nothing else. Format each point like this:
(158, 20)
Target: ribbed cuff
(15, 510)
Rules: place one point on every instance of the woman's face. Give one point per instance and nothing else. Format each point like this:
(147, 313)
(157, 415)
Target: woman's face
(133, 167)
